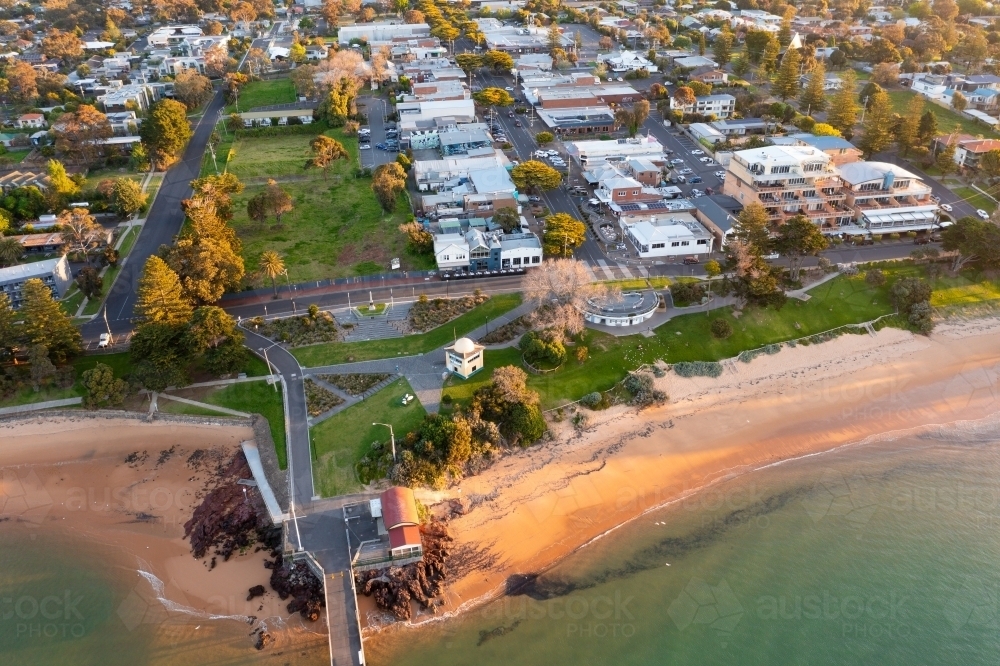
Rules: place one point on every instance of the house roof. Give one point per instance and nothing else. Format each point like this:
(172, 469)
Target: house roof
(861, 172)
(399, 508)
(981, 145)
(826, 142)
(407, 535)
(32, 116)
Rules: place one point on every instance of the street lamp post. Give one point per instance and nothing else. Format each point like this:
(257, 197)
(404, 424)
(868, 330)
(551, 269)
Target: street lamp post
(392, 438)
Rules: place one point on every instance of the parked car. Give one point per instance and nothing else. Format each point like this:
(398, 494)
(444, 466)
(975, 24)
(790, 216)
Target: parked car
(368, 146)
(619, 79)
(983, 214)
(541, 154)
(105, 341)
(697, 193)
(922, 240)
(676, 161)
(720, 175)
(534, 199)
(696, 179)
(706, 160)
(685, 172)
(697, 152)
(509, 88)
(691, 260)
(553, 153)
(773, 255)
(946, 208)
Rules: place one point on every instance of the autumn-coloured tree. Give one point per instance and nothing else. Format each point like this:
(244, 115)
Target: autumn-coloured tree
(22, 81)
(79, 134)
(65, 46)
(563, 234)
(165, 132)
(325, 152)
(533, 174)
(493, 97)
(388, 181)
(192, 88)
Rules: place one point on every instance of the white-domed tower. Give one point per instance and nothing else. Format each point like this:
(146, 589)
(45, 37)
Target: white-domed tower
(464, 358)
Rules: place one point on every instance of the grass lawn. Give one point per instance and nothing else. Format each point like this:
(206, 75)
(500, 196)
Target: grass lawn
(27, 396)
(263, 93)
(343, 439)
(153, 188)
(257, 398)
(336, 229)
(71, 304)
(975, 199)
(966, 288)
(947, 119)
(844, 300)
(95, 176)
(342, 352)
(171, 407)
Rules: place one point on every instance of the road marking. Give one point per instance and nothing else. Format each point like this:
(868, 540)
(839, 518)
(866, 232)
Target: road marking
(590, 272)
(625, 271)
(607, 271)
(643, 272)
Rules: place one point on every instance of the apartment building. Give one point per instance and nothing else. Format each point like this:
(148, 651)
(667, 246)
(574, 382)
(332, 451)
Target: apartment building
(592, 154)
(385, 32)
(886, 198)
(55, 273)
(480, 250)
(720, 106)
(669, 234)
(788, 181)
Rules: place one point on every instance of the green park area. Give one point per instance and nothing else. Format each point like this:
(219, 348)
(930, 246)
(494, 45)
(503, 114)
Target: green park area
(948, 121)
(330, 353)
(975, 199)
(336, 227)
(341, 441)
(263, 93)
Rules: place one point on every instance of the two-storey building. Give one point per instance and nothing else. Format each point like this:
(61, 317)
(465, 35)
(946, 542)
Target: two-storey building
(886, 198)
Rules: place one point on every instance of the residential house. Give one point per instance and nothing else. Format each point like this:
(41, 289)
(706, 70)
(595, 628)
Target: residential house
(709, 75)
(31, 121)
(42, 243)
(840, 150)
(667, 234)
(969, 151)
(475, 249)
(628, 61)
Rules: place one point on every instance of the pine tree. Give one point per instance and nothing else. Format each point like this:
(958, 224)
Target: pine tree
(844, 107)
(927, 129)
(701, 44)
(787, 82)
(159, 297)
(722, 47)
(906, 131)
(813, 97)
(45, 323)
(769, 61)
(877, 127)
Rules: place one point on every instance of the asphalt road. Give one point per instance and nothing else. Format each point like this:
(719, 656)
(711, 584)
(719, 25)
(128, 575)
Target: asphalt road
(162, 225)
(376, 109)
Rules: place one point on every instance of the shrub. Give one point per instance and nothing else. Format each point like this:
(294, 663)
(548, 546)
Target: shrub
(592, 400)
(875, 278)
(721, 328)
(686, 293)
(542, 347)
(582, 353)
(698, 369)
(920, 317)
(644, 394)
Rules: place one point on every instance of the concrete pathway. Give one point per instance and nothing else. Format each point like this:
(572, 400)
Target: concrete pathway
(37, 406)
(802, 294)
(203, 405)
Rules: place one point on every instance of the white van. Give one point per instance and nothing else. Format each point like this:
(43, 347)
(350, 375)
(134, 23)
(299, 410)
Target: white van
(524, 226)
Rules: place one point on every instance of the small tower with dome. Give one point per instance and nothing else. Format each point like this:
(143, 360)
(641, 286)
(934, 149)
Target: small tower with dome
(464, 358)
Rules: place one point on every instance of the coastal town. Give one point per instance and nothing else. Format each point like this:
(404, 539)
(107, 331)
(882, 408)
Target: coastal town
(401, 304)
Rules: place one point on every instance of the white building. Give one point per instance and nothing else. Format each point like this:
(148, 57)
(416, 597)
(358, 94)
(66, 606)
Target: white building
(628, 61)
(887, 198)
(672, 235)
(477, 250)
(171, 35)
(720, 106)
(464, 358)
(376, 33)
(55, 273)
(594, 153)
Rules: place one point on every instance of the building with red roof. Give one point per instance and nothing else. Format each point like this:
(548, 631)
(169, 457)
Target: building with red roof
(399, 515)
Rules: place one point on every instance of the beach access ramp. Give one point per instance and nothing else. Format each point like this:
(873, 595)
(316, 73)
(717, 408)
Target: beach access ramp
(257, 468)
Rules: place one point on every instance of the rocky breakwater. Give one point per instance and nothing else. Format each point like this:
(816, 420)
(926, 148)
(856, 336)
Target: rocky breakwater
(422, 582)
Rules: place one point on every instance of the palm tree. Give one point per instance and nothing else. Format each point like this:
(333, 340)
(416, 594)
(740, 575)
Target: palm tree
(10, 251)
(272, 266)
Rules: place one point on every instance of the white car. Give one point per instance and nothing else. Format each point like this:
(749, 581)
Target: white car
(946, 208)
(676, 161)
(365, 146)
(773, 255)
(983, 214)
(509, 89)
(697, 152)
(685, 172)
(697, 193)
(540, 154)
(553, 153)
(105, 341)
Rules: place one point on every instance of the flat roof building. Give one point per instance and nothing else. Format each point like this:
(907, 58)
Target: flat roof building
(55, 273)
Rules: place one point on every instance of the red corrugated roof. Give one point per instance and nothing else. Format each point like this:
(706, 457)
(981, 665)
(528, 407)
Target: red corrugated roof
(408, 535)
(398, 508)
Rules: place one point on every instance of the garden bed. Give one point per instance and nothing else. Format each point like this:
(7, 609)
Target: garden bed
(319, 400)
(429, 313)
(356, 384)
(305, 330)
(505, 333)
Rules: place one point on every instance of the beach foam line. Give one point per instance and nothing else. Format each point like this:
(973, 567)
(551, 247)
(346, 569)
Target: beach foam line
(987, 427)
(169, 605)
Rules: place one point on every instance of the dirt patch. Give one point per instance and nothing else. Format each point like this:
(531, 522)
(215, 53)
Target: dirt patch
(428, 313)
(319, 400)
(356, 384)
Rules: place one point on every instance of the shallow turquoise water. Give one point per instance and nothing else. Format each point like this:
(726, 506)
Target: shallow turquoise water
(881, 554)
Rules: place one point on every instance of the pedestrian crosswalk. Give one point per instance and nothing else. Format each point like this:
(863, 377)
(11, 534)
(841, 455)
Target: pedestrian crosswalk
(602, 270)
(625, 271)
(608, 274)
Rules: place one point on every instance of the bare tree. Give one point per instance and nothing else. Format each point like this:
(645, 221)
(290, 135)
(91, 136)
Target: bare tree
(560, 288)
(82, 233)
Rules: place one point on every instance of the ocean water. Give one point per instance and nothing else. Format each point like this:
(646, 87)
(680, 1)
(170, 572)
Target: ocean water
(881, 553)
(65, 598)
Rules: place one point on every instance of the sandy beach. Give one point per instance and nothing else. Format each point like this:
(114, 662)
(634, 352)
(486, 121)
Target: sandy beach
(532, 509)
(128, 487)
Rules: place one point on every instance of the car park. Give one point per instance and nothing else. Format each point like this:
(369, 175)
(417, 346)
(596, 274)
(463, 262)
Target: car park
(946, 208)
(983, 214)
